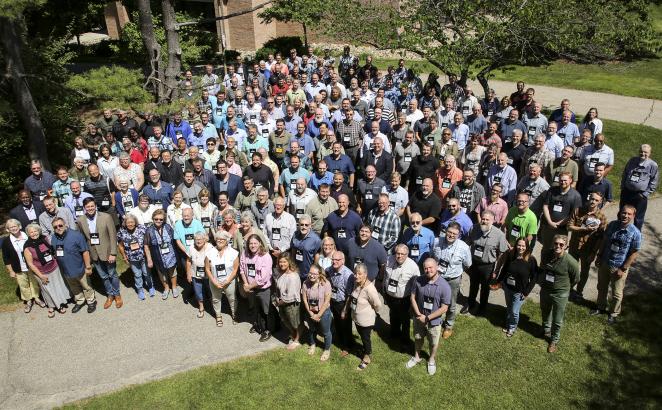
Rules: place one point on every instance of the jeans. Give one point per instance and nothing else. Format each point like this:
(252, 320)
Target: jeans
(139, 269)
(514, 302)
(455, 290)
(480, 275)
(198, 288)
(552, 306)
(323, 327)
(399, 317)
(343, 326)
(364, 332)
(108, 274)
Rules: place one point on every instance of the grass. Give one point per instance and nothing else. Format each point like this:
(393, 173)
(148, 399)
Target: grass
(478, 367)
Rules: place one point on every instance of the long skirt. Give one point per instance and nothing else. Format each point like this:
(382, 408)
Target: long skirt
(55, 293)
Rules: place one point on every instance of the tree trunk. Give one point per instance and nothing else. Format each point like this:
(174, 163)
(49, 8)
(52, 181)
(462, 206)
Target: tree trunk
(12, 43)
(174, 50)
(464, 76)
(305, 36)
(482, 79)
(154, 67)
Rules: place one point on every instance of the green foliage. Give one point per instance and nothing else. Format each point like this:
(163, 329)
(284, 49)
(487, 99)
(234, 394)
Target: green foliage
(262, 53)
(198, 46)
(283, 44)
(112, 86)
(298, 11)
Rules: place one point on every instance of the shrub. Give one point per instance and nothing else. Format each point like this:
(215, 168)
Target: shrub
(111, 86)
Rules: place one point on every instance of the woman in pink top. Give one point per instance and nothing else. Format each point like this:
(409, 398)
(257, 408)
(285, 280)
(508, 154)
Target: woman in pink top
(364, 304)
(255, 267)
(316, 292)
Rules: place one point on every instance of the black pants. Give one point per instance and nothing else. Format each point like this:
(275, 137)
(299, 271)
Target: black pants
(399, 317)
(480, 276)
(343, 326)
(262, 317)
(365, 332)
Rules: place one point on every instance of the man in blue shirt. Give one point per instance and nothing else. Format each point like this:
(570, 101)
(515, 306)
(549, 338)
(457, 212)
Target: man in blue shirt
(73, 258)
(159, 193)
(305, 244)
(367, 250)
(454, 213)
(621, 245)
(419, 239)
(185, 230)
(339, 162)
(343, 224)
(178, 128)
(322, 176)
(289, 176)
(342, 284)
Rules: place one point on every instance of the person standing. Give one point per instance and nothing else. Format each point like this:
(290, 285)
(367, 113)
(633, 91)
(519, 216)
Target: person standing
(160, 252)
(640, 179)
(368, 251)
(316, 297)
(288, 298)
(131, 238)
(304, 246)
(221, 267)
(620, 248)
(342, 284)
(559, 273)
(256, 269)
(73, 256)
(12, 254)
(401, 271)
(430, 297)
(518, 277)
(99, 231)
(559, 205)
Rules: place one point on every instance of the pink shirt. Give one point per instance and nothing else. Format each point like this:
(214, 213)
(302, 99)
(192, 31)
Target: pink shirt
(316, 294)
(500, 209)
(257, 269)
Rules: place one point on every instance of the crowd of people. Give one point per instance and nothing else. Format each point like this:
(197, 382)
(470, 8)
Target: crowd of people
(318, 192)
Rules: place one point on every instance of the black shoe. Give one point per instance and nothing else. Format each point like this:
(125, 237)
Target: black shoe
(76, 308)
(265, 336)
(611, 320)
(253, 329)
(596, 312)
(465, 309)
(91, 307)
(480, 312)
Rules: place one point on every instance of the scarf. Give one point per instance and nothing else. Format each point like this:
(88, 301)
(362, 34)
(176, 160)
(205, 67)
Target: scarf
(36, 243)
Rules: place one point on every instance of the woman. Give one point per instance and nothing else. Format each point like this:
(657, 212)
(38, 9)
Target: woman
(247, 227)
(364, 303)
(40, 258)
(592, 122)
(12, 253)
(106, 161)
(518, 277)
(222, 266)
(288, 297)
(227, 222)
(205, 211)
(559, 273)
(176, 207)
(255, 269)
(505, 110)
(316, 292)
(195, 268)
(472, 154)
(323, 257)
(125, 198)
(131, 238)
(160, 252)
(80, 150)
(136, 137)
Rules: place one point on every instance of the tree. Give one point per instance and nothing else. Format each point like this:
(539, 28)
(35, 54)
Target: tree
(305, 12)
(474, 38)
(174, 50)
(153, 49)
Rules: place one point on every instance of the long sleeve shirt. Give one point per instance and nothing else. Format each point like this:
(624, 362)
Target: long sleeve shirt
(453, 258)
(257, 269)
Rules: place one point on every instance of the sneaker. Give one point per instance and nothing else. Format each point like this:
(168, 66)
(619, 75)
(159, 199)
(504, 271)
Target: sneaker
(510, 333)
(76, 308)
(412, 362)
(465, 310)
(311, 350)
(175, 293)
(596, 312)
(432, 368)
(165, 294)
(152, 292)
(611, 319)
(253, 329)
(552, 348)
(265, 336)
(325, 356)
(293, 345)
(141, 294)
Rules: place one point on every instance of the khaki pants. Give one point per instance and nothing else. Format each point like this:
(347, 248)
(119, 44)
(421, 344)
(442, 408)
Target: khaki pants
(81, 289)
(607, 279)
(217, 294)
(28, 286)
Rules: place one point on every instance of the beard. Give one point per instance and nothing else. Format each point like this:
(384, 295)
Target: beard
(484, 228)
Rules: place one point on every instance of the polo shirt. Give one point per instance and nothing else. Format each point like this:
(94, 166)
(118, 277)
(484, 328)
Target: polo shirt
(160, 197)
(520, 225)
(373, 255)
(619, 243)
(568, 133)
(315, 180)
(591, 156)
(398, 197)
(343, 165)
(288, 179)
(398, 278)
(562, 205)
(69, 250)
(303, 250)
(186, 233)
(342, 229)
(427, 207)
(430, 296)
(462, 218)
(420, 244)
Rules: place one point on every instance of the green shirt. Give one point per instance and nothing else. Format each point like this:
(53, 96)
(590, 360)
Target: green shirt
(558, 274)
(520, 225)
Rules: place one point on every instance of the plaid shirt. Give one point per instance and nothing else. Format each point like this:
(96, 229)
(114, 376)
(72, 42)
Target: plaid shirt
(385, 227)
(353, 130)
(543, 158)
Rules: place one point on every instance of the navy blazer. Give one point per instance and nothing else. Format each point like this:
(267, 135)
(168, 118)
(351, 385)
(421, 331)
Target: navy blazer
(235, 185)
(19, 213)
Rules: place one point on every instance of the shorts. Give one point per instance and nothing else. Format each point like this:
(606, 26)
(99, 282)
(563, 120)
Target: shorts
(422, 331)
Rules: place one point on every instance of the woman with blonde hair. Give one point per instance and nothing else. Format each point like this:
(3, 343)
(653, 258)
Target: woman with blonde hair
(12, 253)
(323, 257)
(316, 296)
(204, 210)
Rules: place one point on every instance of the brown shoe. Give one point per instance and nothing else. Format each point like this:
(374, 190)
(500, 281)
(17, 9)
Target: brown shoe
(108, 302)
(448, 332)
(118, 301)
(552, 348)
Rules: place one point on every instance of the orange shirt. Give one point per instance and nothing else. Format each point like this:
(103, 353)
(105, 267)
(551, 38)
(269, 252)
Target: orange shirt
(445, 181)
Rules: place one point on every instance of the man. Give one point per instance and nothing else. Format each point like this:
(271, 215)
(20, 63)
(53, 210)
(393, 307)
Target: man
(322, 176)
(446, 177)
(247, 195)
(190, 188)
(559, 205)
(291, 120)
(430, 297)
(73, 257)
(558, 113)
(343, 224)
(368, 189)
(620, 248)
(184, 234)
(279, 140)
(106, 121)
(398, 196)
(599, 152)
(61, 187)
(379, 158)
(178, 128)
(564, 163)
(313, 128)
(99, 231)
(367, 250)
(399, 276)
(568, 131)
(210, 81)
(305, 160)
(597, 183)
(27, 211)
(338, 162)
(384, 222)
(476, 121)
(427, 205)
(99, 187)
(492, 137)
(536, 154)
(488, 244)
(342, 284)
(226, 182)
(290, 175)
(202, 175)
(279, 228)
(419, 239)
(266, 125)
(404, 153)
(460, 131)
(260, 173)
(369, 140)
(521, 222)
(453, 257)
(447, 114)
(515, 150)
(639, 181)
(468, 192)
(553, 142)
(508, 125)
(536, 123)
(453, 214)
(159, 194)
(254, 141)
(75, 202)
(261, 207)
(535, 186)
(320, 207)
(121, 127)
(39, 182)
(503, 174)
(51, 212)
(304, 247)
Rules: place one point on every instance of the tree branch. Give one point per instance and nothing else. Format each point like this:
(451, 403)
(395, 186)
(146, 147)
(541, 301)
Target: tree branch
(225, 17)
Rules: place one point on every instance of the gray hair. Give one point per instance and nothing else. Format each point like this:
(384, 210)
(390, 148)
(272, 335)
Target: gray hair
(132, 217)
(34, 226)
(247, 215)
(124, 155)
(201, 235)
(222, 235)
(13, 222)
(305, 217)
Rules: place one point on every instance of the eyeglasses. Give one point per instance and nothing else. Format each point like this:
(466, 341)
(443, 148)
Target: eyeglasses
(158, 219)
(559, 244)
(451, 233)
(415, 222)
(58, 226)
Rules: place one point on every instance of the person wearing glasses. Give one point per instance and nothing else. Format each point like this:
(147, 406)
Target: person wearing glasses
(221, 267)
(559, 272)
(559, 205)
(316, 296)
(494, 203)
(130, 238)
(521, 222)
(418, 239)
(160, 252)
(587, 226)
(196, 267)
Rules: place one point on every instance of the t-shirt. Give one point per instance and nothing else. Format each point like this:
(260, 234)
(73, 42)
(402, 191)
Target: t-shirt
(69, 252)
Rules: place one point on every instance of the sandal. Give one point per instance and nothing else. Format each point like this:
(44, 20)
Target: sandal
(201, 314)
(28, 307)
(51, 313)
(40, 303)
(219, 321)
(362, 366)
(62, 310)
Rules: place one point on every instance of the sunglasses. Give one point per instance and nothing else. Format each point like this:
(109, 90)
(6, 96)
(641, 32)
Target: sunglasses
(58, 226)
(158, 219)
(559, 244)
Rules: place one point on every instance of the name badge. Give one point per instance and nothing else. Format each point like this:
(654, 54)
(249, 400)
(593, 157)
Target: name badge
(407, 157)
(368, 194)
(375, 232)
(251, 270)
(47, 256)
(419, 181)
(299, 213)
(444, 125)
(275, 234)
(428, 303)
(293, 183)
(392, 286)
(342, 234)
(414, 251)
(532, 131)
(490, 113)
(549, 278)
(59, 251)
(165, 249)
(220, 270)
(134, 245)
(334, 292)
(346, 137)
(558, 207)
(105, 202)
(357, 261)
(78, 210)
(298, 255)
(443, 264)
(446, 183)
(614, 247)
(94, 239)
(515, 231)
(279, 149)
(206, 222)
(188, 238)
(510, 281)
(478, 252)
(200, 272)
(353, 303)
(635, 177)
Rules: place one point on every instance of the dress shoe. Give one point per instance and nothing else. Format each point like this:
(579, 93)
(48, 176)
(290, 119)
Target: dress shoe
(465, 309)
(91, 307)
(109, 302)
(118, 301)
(76, 308)
(448, 332)
(265, 336)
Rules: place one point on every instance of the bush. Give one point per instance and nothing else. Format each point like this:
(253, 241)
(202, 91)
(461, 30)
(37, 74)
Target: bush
(283, 44)
(112, 86)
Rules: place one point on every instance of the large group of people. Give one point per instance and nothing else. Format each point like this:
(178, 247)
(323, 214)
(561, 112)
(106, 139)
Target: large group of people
(319, 192)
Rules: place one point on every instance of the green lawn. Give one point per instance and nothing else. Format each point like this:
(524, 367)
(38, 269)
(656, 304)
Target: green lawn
(478, 367)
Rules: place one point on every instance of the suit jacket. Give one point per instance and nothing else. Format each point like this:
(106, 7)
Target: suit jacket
(384, 165)
(19, 213)
(107, 236)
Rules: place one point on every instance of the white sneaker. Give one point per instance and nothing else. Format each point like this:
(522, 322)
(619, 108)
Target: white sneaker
(432, 368)
(412, 362)
(311, 350)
